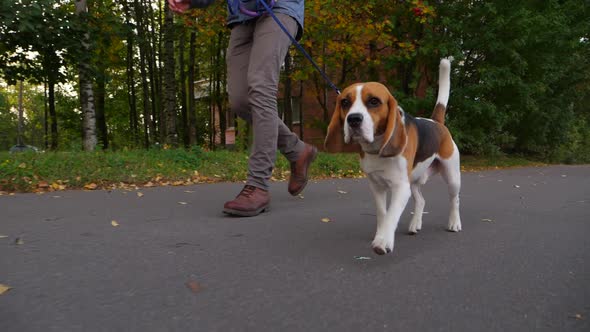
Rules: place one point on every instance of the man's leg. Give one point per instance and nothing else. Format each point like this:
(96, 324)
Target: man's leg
(270, 45)
(251, 200)
(238, 59)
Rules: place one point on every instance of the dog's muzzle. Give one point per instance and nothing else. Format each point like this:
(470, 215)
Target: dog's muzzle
(354, 120)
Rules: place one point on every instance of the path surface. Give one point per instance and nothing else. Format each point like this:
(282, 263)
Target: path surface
(526, 269)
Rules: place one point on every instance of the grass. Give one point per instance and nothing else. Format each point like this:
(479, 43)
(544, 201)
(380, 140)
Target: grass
(33, 172)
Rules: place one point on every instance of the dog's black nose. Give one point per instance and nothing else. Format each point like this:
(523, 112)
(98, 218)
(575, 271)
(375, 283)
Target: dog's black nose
(354, 120)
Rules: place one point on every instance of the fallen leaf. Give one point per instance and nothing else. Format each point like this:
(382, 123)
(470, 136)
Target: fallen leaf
(516, 186)
(139, 194)
(194, 286)
(326, 220)
(42, 185)
(189, 191)
(342, 192)
(149, 184)
(22, 165)
(487, 220)
(3, 236)
(4, 289)
(177, 183)
(301, 196)
(114, 223)
(18, 241)
(361, 258)
(91, 186)
(577, 316)
(182, 203)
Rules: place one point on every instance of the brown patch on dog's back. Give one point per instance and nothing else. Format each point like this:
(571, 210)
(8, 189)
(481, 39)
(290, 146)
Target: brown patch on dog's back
(412, 145)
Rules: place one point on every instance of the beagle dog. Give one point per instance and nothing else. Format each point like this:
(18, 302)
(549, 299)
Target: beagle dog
(399, 152)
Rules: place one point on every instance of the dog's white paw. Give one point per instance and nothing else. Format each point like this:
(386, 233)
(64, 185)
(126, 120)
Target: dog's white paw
(415, 226)
(382, 246)
(454, 226)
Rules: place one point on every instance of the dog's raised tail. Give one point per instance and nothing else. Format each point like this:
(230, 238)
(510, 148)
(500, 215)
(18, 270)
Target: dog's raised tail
(444, 88)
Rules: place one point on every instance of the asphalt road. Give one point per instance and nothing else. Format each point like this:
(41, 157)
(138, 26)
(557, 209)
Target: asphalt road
(520, 263)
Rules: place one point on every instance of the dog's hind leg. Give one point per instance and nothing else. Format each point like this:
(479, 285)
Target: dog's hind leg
(419, 202)
(451, 173)
(416, 223)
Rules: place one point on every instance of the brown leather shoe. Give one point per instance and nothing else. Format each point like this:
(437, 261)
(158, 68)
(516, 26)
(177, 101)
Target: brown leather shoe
(251, 201)
(298, 177)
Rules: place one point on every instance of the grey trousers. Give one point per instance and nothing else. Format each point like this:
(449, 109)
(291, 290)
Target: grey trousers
(255, 54)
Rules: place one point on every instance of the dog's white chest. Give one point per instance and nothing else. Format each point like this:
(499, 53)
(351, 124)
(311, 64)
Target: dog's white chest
(385, 171)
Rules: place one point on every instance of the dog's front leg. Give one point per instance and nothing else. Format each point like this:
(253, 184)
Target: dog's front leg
(388, 217)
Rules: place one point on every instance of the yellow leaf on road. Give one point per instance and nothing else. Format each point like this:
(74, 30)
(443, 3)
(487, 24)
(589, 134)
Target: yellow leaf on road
(4, 289)
(114, 223)
(182, 203)
(139, 194)
(326, 220)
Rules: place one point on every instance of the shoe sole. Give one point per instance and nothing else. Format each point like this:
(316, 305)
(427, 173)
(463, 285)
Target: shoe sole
(315, 155)
(239, 213)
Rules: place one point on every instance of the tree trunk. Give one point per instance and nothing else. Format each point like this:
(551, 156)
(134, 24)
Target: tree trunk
(153, 46)
(19, 137)
(192, 116)
(169, 79)
(46, 116)
(101, 124)
(86, 91)
(183, 94)
(148, 129)
(52, 114)
(133, 123)
(220, 69)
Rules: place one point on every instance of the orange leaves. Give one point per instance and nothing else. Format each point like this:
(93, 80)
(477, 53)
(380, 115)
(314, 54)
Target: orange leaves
(91, 186)
(194, 286)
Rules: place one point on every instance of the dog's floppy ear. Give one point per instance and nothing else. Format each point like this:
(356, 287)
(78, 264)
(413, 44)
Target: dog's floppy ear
(395, 136)
(335, 137)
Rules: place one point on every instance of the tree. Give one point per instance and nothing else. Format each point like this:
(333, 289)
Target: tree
(86, 86)
(171, 134)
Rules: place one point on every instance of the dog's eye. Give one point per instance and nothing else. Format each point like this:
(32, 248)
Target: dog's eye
(374, 102)
(345, 103)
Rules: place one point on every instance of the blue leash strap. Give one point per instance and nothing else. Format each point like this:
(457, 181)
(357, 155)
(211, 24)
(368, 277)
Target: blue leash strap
(294, 41)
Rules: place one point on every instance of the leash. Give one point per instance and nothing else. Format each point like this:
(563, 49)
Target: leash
(237, 5)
